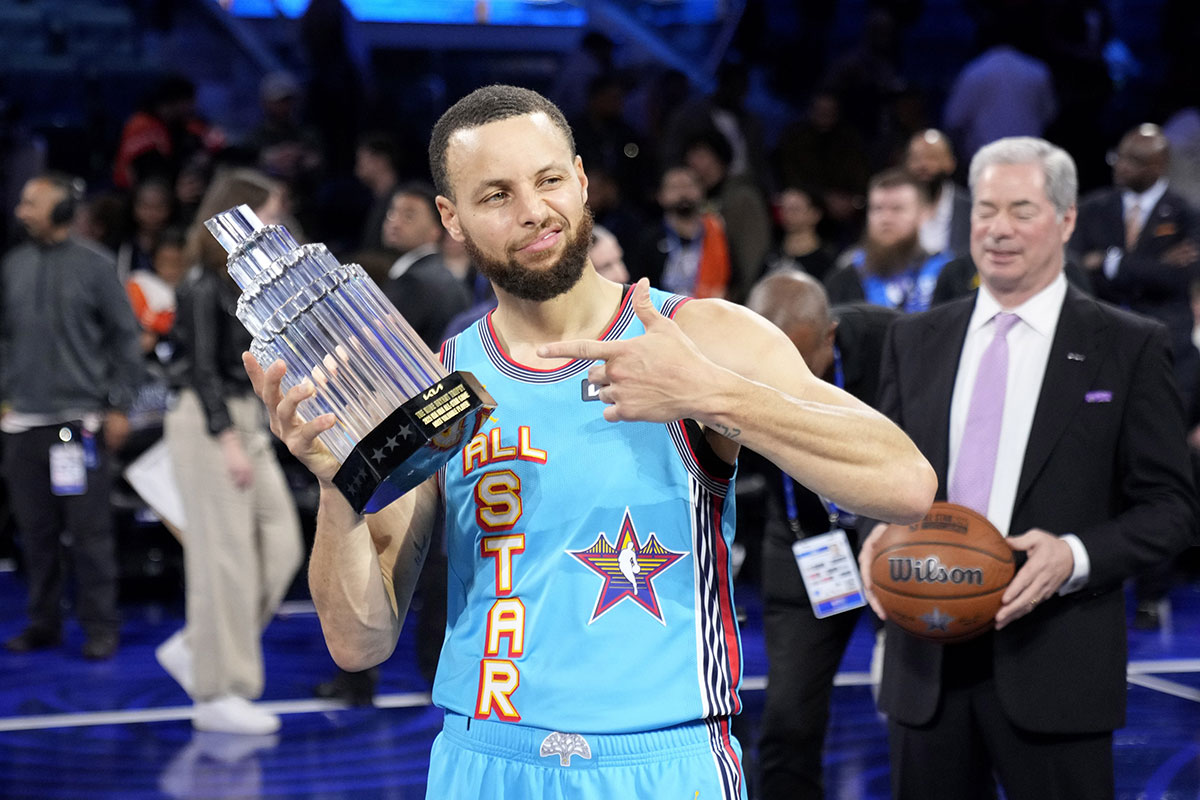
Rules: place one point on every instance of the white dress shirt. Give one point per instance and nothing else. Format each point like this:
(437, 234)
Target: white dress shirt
(1028, 353)
(935, 231)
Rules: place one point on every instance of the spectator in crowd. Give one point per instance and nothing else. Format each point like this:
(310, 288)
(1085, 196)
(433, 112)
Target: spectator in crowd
(800, 246)
(723, 111)
(1001, 92)
(283, 146)
(609, 143)
(151, 209)
(376, 166)
(866, 78)
(890, 268)
(740, 204)
(592, 59)
(608, 259)
(826, 152)
(160, 137)
(611, 207)
(1055, 416)
(418, 283)
(241, 534)
(152, 292)
(842, 346)
(930, 159)
(102, 218)
(1139, 242)
(686, 250)
(69, 367)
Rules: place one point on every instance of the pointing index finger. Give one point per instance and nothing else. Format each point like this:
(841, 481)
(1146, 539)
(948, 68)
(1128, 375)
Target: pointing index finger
(587, 349)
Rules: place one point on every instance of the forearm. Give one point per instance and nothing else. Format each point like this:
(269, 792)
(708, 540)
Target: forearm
(362, 574)
(828, 441)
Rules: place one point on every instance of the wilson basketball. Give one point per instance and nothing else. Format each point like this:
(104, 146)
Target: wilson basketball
(941, 578)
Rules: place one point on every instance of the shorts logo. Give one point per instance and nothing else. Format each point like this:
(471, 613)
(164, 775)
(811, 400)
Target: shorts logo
(565, 745)
(628, 569)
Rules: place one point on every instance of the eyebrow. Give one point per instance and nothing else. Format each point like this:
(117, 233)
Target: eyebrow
(1013, 204)
(504, 183)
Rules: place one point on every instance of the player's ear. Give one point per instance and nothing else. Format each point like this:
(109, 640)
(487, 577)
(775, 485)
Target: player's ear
(449, 214)
(583, 179)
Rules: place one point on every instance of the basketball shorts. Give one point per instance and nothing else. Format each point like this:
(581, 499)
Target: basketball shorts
(484, 760)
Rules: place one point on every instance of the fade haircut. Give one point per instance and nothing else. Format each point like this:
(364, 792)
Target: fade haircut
(894, 178)
(489, 104)
(1058, 168)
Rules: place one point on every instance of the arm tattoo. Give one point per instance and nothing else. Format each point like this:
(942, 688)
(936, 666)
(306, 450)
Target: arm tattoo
(727, 432)
(421, 548)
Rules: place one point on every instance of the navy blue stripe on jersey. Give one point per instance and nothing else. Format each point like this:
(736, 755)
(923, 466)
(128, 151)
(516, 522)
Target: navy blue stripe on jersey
(729, 768)
(519, 372)
(449, 348)
(715, 484)
(720, 656)
(673, 304)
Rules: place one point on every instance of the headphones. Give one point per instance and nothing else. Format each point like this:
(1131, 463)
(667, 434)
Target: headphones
(73, 190)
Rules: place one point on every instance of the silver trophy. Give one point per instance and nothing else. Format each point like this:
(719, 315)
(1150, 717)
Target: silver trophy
(400, 414)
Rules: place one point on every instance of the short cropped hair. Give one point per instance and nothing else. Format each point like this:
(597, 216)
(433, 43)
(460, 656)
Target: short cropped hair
(423, 192)
(480, 107)
(1058, 168)
(894, 178)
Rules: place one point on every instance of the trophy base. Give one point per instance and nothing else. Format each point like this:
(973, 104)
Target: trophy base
(414, 442)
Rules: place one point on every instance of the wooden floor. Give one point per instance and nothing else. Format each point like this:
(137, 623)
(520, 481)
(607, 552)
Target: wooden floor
(70, 728)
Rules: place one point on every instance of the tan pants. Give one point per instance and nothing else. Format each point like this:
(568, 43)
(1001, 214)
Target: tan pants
(241, 547)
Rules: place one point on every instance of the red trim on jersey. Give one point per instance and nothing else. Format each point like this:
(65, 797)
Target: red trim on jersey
(675, 310)
(504, 354)
(696, 457)
(725, 599)
(727, 743)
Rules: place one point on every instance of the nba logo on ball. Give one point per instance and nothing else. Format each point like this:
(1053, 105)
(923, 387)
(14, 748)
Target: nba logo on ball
(942, 578)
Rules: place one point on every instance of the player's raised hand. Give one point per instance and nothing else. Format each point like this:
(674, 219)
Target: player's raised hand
(659, 376)
(299, 435)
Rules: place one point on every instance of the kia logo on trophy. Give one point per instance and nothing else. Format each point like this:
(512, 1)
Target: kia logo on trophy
(400, 414)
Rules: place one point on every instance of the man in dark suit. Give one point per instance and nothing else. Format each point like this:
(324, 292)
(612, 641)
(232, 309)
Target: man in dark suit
(930, 159)
(418, 283)
(843, 345)
(1086, 471)
(1138, 242)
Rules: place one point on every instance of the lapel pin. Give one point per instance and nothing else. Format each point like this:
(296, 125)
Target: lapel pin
(1075, 356)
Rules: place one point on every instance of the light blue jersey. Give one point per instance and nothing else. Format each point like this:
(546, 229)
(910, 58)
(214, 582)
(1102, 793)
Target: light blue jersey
(590, 587)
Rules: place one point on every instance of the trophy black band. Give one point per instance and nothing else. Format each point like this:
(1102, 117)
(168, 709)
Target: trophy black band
(400, 414)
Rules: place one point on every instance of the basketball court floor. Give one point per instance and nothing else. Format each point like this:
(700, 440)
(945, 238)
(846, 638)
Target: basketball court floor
(70, 728)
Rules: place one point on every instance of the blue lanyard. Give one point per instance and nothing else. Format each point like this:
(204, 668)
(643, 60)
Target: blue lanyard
(789, 485)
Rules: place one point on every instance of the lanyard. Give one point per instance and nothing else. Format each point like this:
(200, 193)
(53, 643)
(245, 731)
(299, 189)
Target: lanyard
(789, 484)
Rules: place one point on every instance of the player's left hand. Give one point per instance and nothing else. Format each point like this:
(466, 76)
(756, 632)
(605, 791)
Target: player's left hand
(659, 376)
(1049, 565)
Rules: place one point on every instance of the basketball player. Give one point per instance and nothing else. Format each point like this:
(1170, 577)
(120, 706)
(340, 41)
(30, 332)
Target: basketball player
(619, 409)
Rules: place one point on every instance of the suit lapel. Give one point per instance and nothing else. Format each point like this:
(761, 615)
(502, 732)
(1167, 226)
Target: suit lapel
(1079, 340)
(929, 424)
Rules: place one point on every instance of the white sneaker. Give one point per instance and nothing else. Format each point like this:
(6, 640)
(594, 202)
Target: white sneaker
(175, 657)
(233, 714)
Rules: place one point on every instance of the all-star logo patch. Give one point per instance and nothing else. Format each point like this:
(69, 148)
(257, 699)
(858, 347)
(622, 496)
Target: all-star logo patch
(628, 568)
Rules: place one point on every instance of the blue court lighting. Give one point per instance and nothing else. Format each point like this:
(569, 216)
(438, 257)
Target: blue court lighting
(557, 13)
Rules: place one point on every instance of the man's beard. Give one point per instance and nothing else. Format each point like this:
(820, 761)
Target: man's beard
(886, 260)
(933, 186)
(538, 285)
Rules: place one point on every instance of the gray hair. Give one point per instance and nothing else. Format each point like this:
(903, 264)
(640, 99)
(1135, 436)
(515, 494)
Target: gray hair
(1062, 181)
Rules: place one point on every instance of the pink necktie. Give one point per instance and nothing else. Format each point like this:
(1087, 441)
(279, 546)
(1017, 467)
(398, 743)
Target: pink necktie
(971, 484)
